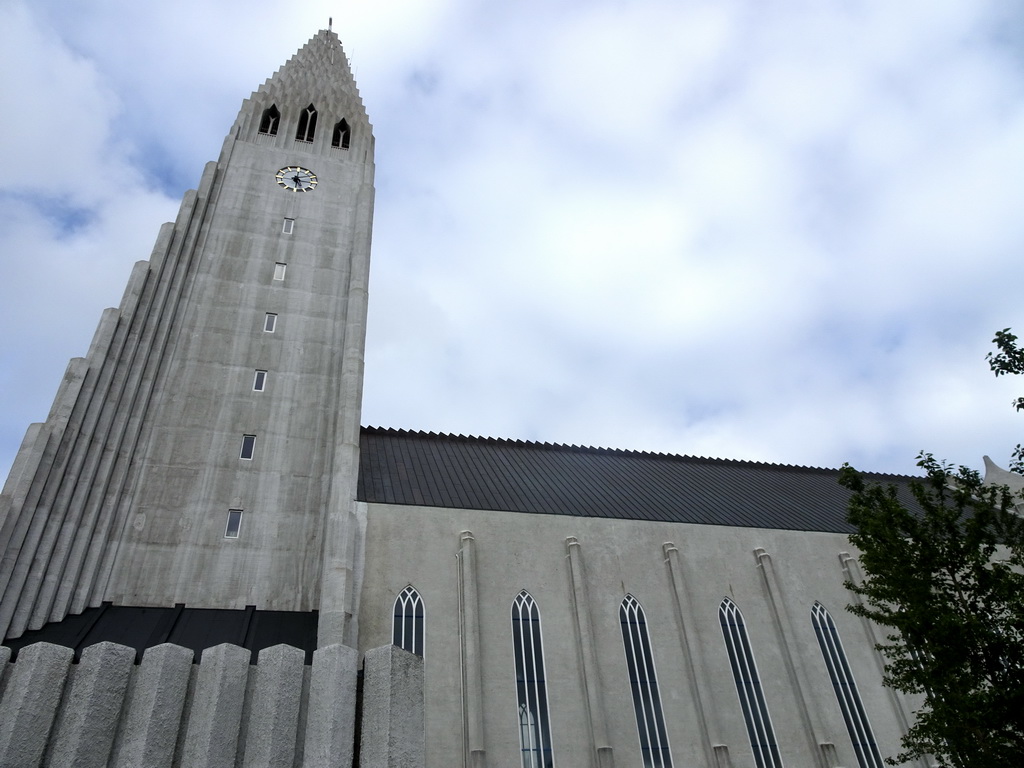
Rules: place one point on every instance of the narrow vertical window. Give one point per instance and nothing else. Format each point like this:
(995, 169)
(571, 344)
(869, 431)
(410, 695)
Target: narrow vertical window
(268, 123)
(288, 227)
(234, 524)
(650, 720)
(342, 135)
(408, 627)
(279, 270)
(748, 687)
(846, 688)
(248, 446)
(270, 322)
(259, 381)
(531, 688)
(307, 124)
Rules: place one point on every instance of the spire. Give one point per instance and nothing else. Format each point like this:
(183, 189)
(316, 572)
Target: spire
(318, 74)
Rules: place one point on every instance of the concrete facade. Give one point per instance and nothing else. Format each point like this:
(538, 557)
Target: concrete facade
(680, 575)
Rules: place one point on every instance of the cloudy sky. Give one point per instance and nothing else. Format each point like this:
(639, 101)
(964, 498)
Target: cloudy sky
(772, 231)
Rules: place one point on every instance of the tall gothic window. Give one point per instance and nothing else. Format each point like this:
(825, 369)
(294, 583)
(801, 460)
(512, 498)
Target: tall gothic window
(846, 688)
(531, 689)
(650, 721)
(408, 627)
(748, 687)
(307, 124)
(342, 135)
(268, 123)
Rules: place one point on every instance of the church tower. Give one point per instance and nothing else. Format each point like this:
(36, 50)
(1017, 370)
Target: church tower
(205, 451)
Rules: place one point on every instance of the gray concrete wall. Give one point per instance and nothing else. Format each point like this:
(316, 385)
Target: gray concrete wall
(170, 713)
(680, 588)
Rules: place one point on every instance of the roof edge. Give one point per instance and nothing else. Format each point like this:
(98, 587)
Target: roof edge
(421, 435)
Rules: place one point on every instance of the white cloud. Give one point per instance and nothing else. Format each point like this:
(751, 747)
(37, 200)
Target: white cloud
(779, 232)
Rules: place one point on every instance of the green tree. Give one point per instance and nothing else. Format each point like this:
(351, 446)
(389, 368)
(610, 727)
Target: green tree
(944, 572)
(1009, 359)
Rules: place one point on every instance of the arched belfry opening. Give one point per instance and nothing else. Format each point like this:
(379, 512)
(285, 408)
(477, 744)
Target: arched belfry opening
(307, 124)
(270, 120)
(342, 135)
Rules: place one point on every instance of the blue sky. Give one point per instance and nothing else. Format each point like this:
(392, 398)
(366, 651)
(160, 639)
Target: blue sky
(780, 232)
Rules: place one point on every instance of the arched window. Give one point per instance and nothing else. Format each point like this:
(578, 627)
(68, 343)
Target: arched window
(846, 689)
(650, 720)
(531, 689)
(342, 135)
(307, 124)
(268, 123)
(748, 687)
(407, 633)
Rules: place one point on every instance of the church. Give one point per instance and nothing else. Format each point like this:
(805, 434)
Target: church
(209, 561)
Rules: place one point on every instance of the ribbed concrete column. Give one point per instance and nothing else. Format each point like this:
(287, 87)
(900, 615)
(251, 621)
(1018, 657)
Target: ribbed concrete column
(135, 303)
(274, 713)
(153, 709)
(88, 724)
(794, 669)
(469, 634)
(330, 722)
(216, 714)
(344, 531)
(699, 685)
(30, 703)
(15, 489)
(29, 522)
(392, 733)
(172, 271)
(602, 752)
(74, 487)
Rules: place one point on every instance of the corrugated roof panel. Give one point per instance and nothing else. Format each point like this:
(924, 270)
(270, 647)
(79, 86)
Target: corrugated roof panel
(416, 468)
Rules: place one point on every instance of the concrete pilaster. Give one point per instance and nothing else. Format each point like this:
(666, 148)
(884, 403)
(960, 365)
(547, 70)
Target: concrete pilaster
(216, 714)
(272, 728)
(153, 709)
(88, 724)
(699, 685)
(331, 712)
(794, 669)
(30, 704)
(392, 728)
(592, 687)
(469, 635)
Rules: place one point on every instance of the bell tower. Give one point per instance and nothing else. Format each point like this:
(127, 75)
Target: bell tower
(205, 450)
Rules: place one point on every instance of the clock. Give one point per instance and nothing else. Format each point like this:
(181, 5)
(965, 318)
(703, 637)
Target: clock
(296, 179)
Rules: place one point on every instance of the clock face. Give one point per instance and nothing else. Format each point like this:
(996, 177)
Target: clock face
(296, 179)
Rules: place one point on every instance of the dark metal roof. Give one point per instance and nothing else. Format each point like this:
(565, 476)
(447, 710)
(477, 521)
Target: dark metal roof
(194, 628)
(438, 470)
